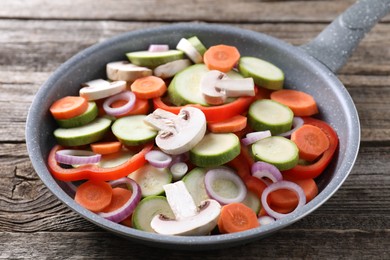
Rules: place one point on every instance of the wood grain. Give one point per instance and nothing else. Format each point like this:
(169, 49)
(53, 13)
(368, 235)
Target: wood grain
(172, 10)
(37, 36)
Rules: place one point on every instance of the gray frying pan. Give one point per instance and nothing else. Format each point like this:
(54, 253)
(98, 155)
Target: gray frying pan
(310, 68)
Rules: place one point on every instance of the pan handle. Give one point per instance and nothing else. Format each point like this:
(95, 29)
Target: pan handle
(334, 45)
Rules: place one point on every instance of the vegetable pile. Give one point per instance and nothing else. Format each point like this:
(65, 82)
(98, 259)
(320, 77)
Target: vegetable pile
(190, 141)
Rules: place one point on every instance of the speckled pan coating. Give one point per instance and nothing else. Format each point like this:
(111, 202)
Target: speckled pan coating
(302, 72)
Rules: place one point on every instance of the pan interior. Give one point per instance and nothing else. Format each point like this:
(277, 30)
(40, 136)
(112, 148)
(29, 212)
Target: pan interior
(301, 72)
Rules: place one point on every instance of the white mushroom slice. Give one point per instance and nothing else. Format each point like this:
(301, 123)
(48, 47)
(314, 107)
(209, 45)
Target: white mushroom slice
(216, 87)
(170, 69)
(212, 95)
(123, 70)
(189, 219)
(178, 133)
(97, 89)
(185, 46)
(236, 87)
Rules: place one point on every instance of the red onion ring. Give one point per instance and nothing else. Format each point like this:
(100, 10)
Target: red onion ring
(224, 173)
(297, 123)
(282, 185)
(126, 95)
(253, 137)
(127, 209)
(158, 47)
(262, 170)
(73, 156)
(158, 158)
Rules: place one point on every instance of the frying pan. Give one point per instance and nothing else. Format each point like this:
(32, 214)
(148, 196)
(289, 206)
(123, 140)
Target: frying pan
(310, 68)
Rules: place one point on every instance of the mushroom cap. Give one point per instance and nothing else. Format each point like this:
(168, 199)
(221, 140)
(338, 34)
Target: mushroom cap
(189, 128)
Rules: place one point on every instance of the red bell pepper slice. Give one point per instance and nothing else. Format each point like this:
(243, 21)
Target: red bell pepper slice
(94, 172)
(216, 113)
(315, 169)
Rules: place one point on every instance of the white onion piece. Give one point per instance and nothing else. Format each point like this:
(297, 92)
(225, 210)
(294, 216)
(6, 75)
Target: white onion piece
(266, 220)
(158, 47)
(127, 96)
(178, 170)
(158, 158)
(127, 209)
(262, 170)
(224, 174)
(79, 157)
(282, 185)
(253, 137)
(297, 123)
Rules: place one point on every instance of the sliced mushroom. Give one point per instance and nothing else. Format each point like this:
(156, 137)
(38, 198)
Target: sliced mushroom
(216, 87)
(99, 88)
(189, 219)
(178, 133)
(185, 46)
(169, 69)
(123, 70)
(236, 87)
(212, 95)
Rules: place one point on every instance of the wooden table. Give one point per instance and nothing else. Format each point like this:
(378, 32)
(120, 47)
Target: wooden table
(37, 36)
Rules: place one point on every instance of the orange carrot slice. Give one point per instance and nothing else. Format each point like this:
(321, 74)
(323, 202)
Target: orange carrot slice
(127, 222)
(236, 217)
(119, 197)
(148, 87)
(255, 185)
(311, 141)
(221, 57)
(141, 107)
(68, 107)
(301, 103)
(94, 195)
(233, 124)
(285, 200)
(106, 147)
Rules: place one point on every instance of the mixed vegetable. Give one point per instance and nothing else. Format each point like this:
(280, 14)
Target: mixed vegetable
(190, 141)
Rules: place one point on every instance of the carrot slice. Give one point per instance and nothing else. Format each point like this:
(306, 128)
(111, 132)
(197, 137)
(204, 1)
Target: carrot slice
(234, 124)
(236, 217)
(127, 222)
(141, 107)
(148, 87)
(221, 57)
(285, 200)
(94, 195)
(242, 163)
(119, 197)
(311, 141)
(301, 103)
(106, 147)
(255, 185)
(68, 107)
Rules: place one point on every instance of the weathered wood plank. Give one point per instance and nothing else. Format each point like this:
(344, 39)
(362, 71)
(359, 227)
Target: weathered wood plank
(286, 244)
(27, 44)
(172, 10)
